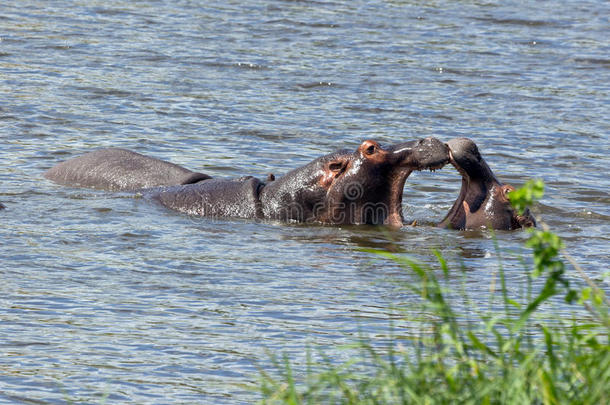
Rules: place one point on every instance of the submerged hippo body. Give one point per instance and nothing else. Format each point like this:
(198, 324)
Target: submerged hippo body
(116, 169)
(344, 187)
(213, 198)
(483, 200)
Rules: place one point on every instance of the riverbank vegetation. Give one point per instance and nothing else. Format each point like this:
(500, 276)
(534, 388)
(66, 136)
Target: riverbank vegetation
(518, 354)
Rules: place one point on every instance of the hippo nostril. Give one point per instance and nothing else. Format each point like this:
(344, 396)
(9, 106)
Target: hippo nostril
(370, 150)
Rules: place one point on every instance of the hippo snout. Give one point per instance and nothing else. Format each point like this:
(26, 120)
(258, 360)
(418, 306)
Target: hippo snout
(433, 154)
(462, 149)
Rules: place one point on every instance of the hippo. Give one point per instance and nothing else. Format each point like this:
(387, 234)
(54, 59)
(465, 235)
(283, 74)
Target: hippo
(483, 201)
(238, 198)
(2, 206)
(344, 187)
(364, 186)
(116, 169)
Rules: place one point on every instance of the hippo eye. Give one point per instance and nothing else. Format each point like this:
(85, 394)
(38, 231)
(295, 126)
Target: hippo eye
(370, 150)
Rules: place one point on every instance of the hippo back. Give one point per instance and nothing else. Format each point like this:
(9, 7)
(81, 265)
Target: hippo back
(116, 169)
(213, 198)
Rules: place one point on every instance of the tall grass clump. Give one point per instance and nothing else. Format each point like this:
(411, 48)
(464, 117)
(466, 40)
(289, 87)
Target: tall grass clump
(515, 355)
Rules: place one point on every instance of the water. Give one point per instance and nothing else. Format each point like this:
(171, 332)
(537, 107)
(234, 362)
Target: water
(104, 294)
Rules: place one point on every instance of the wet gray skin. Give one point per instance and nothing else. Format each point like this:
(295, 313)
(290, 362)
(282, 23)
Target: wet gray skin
(360, 187)
(116, 169)
(344, 187)
(237, 198)
(483, 200)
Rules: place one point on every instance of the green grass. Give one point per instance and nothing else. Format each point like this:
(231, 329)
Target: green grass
(515, 356)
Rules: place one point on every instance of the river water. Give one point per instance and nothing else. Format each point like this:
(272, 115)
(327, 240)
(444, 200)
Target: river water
(107, 295)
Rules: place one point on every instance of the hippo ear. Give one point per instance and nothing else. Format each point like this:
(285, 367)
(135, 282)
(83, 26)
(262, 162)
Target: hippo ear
(505, 190)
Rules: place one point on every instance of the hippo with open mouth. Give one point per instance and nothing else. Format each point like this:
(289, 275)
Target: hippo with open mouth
(483, 200)
(360, 187)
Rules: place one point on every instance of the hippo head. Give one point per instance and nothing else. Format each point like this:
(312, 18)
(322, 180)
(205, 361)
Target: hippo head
(361, 187)
(483, 200)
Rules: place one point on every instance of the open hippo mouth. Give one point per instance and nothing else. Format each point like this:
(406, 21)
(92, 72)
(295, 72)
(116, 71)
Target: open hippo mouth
(425, 154)
(483, 200)
(370, 189)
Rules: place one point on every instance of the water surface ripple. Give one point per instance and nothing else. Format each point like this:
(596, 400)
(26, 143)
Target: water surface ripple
(108, 295)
